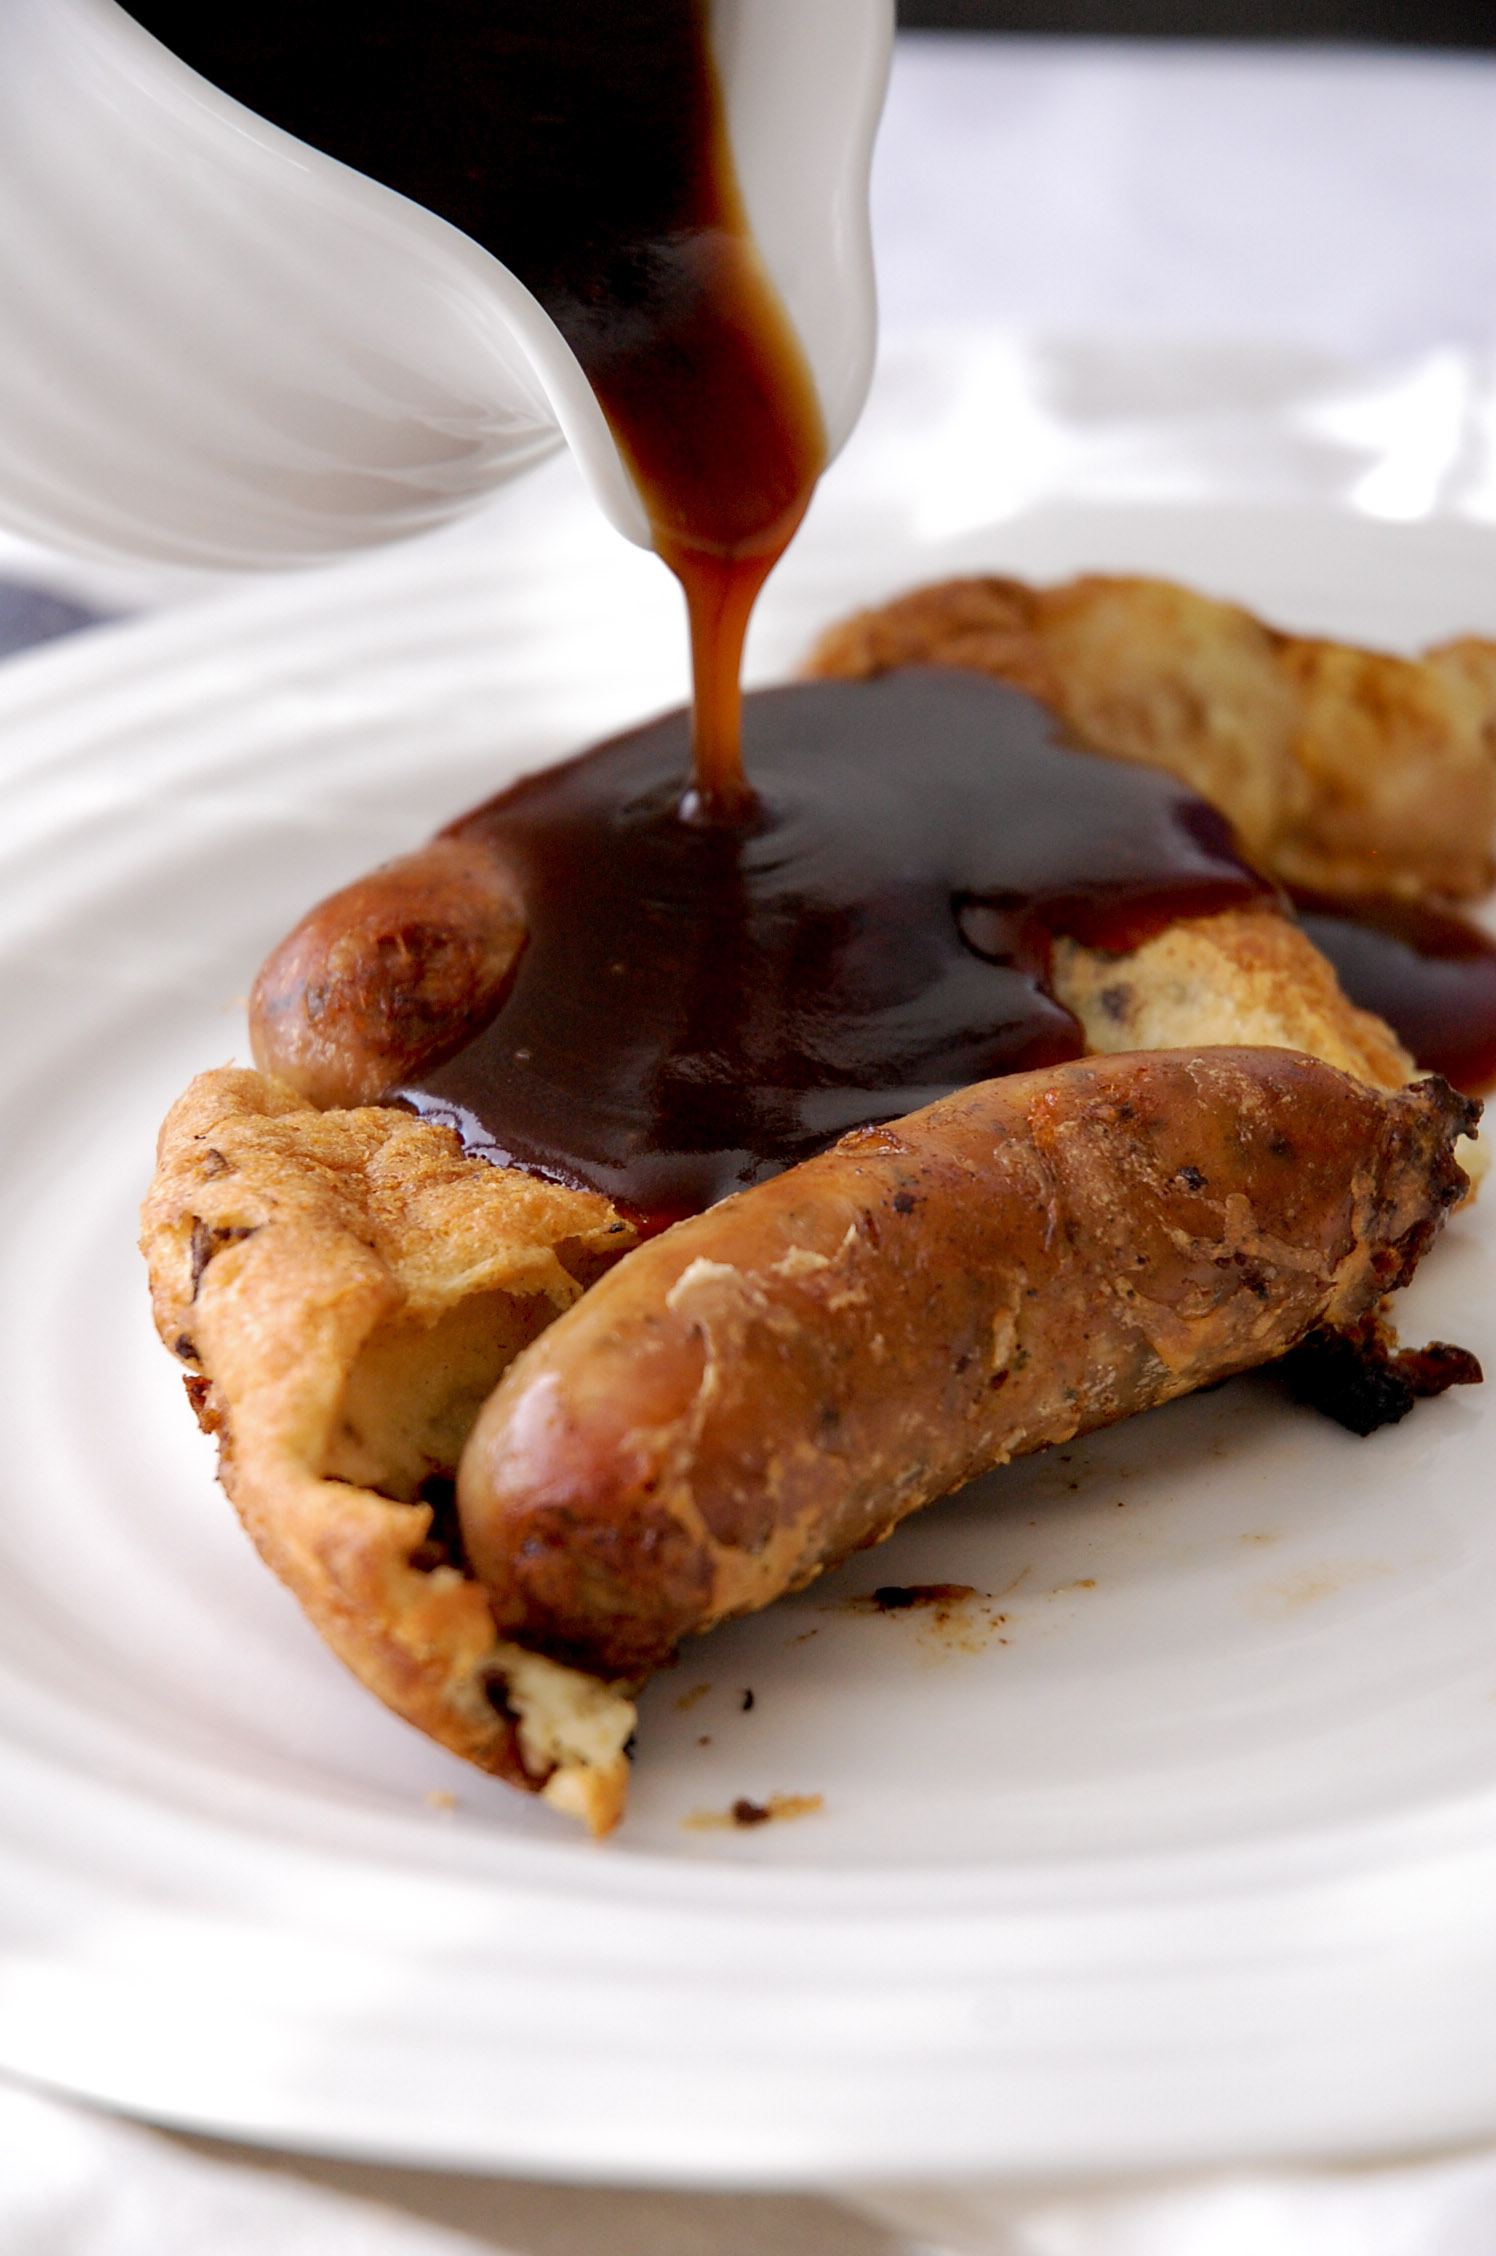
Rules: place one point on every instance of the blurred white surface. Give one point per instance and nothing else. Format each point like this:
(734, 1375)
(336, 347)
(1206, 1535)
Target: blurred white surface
(1341, 200)
(75, 2184)
(1439, 2208)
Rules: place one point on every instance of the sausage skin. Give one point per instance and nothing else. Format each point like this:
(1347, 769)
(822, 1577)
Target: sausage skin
(777, 1382)
(390, 977)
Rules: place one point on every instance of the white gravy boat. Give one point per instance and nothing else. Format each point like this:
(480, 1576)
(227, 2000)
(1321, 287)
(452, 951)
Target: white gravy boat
(223, 348)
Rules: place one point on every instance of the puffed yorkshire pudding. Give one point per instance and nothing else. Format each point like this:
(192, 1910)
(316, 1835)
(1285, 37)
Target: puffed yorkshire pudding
(345, 1289)
(1343, 770)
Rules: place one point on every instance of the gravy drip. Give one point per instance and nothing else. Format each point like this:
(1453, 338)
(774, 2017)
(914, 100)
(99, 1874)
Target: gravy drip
(697, 1007)
(1428, 972)
(583, 144)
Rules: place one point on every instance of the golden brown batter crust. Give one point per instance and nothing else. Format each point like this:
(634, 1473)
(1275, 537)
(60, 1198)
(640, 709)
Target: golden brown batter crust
(346, 1288)
(1343, 770)
(1247, 976)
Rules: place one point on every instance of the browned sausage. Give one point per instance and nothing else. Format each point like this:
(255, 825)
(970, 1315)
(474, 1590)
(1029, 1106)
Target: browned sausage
(767, 1387)
(390, 977)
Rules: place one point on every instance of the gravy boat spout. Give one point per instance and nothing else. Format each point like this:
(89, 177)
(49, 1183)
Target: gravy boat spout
(226, 348)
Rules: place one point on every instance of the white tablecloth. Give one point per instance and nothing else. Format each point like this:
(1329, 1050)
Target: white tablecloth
(1316, 233)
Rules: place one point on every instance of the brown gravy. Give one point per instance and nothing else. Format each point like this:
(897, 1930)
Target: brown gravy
(698, 1007)
(581, 142)
(1427, 971)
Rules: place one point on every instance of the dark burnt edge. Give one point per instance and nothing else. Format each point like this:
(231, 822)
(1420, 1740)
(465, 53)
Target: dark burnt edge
(1362, 1379)
(1458, 1115)
(1357, 1374)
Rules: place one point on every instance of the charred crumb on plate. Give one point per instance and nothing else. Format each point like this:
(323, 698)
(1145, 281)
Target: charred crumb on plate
(745, 1814)
(1362, 1379)
(905, 1597)
(944, 1606)
(952, 1617)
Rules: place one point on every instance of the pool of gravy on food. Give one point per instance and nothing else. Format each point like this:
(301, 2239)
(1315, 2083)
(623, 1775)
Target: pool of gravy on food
(696, 1007)
(1425, 969)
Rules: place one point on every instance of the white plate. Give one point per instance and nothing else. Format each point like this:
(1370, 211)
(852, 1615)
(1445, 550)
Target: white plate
(1189, 1854)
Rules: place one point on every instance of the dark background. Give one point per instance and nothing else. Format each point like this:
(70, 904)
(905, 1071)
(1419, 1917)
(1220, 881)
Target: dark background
(1432, 23)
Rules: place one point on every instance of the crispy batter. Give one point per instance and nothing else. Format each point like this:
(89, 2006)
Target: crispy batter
(1246, 976)
(1344, 770)
(1249, 976)
(346, 1288)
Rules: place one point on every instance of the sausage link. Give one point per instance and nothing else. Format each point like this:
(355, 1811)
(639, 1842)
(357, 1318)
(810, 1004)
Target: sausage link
(767, 1387)
(390, 977)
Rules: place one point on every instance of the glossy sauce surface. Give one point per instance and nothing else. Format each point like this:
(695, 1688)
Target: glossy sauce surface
(698, 1007)
(1428, 972)
(583, 144)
